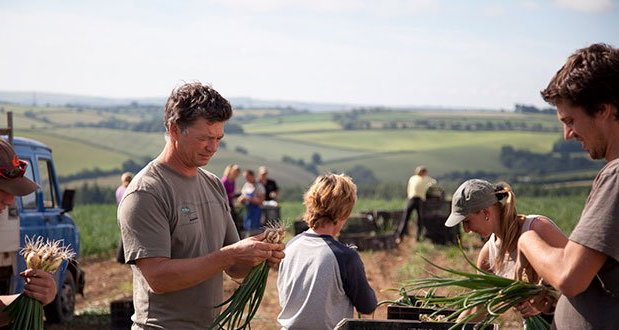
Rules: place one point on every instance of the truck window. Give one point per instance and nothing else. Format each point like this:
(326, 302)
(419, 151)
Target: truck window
(29, 201)
(47, 185)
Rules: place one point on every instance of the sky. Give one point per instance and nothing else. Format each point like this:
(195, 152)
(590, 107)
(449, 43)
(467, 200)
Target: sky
(439, 53)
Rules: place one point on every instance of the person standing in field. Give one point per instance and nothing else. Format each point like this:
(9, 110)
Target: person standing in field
(228, 179)
(125, 179)
(586, 267)
(271, 190)
(416, 191)
(490, 211)
(175, 221)
(40, 284)
(321, 279)
(252, 196)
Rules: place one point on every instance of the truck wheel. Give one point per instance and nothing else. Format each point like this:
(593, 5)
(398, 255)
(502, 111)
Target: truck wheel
(61, 309)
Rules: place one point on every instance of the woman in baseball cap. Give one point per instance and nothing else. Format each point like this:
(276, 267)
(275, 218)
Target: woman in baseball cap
(490, 210)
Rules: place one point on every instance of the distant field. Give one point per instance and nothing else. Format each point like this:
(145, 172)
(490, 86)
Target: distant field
(20, 122)
(132, 144)
(66, 118)
(423, 140)
(73, 156)
(274, 147)
(289, 127)
(463, 117)
(399, 166)
(291, 123)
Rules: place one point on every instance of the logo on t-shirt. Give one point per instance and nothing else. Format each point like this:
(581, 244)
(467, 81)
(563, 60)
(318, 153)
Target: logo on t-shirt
(188, 215)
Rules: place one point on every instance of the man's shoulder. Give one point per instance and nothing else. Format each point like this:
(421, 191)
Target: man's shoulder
(208, 175)
(611, 168)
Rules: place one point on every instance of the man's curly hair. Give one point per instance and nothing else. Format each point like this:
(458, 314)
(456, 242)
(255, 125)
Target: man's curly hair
(589, 78)
(194, 100)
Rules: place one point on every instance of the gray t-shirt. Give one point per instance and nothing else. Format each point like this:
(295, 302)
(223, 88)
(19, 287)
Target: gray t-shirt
(165, 214)
(598, 306)
(319, 282)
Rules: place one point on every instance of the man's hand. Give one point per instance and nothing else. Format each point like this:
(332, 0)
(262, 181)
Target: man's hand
(541, 303)
(253, 250)
(40, 285)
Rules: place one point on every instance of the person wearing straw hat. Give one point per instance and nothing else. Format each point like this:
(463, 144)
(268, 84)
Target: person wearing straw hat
(585, 269)
(40, 285)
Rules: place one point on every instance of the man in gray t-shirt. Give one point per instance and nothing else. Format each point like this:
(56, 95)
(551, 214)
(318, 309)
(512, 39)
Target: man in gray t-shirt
(175, 221)
(586, 270)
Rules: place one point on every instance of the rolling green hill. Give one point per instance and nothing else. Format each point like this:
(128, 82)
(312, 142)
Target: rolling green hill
(270, 135)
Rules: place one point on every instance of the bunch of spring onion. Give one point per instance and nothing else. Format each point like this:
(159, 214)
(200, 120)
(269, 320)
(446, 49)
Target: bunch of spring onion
(244, 302)
(26, 312)
(484, 293)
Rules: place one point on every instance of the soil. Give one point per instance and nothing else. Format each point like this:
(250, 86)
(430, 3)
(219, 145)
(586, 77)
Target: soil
(107, 281)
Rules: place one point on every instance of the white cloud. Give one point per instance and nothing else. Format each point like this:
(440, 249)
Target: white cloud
(587, 6)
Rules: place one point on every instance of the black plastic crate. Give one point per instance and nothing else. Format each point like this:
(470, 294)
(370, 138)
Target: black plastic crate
(120, 312)
(300, 226)
(270, 214)
(395, 312)
(385, 220)
(364, 324)
(359, 224)
(367, 241)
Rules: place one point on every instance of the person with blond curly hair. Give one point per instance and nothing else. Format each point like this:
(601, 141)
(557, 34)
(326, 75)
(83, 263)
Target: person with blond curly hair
(321, 280)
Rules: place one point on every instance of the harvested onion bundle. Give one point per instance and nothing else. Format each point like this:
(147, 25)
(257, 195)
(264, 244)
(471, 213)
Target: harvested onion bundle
(26, 312)
(248, 295)
(493, 295)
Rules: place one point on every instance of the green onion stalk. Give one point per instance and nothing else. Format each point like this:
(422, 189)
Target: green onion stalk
(26, 313)
(244, 302)
(482, 294)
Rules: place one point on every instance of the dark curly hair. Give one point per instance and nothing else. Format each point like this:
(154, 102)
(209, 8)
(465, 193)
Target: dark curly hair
(589, 78)
(194, 100)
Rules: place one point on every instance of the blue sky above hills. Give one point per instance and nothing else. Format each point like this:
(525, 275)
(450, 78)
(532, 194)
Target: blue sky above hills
(485, 54)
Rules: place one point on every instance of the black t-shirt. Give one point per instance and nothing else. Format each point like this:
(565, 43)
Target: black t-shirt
(270, 186)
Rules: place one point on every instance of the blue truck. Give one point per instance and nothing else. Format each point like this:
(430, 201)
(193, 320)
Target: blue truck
(42, 213)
